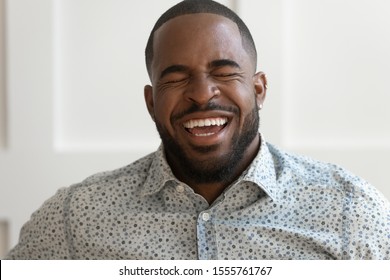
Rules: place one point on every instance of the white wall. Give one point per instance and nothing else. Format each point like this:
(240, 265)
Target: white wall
(2, 77)
(74, 76)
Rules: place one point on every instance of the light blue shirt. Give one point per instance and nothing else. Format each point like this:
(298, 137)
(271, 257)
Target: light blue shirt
(283, 206)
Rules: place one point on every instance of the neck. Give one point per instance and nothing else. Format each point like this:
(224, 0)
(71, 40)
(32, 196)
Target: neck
(209, 191)
(212, 190)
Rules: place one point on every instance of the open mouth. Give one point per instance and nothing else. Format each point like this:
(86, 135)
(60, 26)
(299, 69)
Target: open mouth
(205, 127)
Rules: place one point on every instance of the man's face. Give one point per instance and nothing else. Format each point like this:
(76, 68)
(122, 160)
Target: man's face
(205, 96)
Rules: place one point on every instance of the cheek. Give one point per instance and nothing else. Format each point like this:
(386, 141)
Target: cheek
(163, 108)
(248, 107)
(244, 98)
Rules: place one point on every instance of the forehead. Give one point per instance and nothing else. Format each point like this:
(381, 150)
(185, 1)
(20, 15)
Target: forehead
(195, 38)
(195, 21)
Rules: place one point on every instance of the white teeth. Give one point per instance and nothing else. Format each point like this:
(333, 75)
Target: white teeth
(204, 134)
(205, 122)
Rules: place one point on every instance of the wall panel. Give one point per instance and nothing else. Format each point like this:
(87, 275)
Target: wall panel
(336, 74)
(99, 103)
(3, 111)
(327, 64)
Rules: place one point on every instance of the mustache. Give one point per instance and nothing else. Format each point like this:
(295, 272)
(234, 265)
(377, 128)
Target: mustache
(204, 108)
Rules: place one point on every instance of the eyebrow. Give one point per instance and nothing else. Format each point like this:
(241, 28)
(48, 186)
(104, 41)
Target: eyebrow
(224, 62)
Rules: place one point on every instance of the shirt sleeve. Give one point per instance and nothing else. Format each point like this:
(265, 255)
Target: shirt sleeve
(367, 225)
(44, 235)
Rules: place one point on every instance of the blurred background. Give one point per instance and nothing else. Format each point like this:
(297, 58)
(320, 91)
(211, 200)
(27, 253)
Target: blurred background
(72, 75)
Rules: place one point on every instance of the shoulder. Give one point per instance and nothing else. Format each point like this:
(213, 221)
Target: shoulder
(309, 176)
(137, 170)
(309, 171)
(46, 235)
(361, 210)
(129, 176)
(122, 183)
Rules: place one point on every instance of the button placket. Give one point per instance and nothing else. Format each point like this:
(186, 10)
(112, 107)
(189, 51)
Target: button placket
(180, 188)
(205, 216)
(207, 246)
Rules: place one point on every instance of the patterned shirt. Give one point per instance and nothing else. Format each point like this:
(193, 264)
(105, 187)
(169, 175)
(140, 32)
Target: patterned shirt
(283, 206)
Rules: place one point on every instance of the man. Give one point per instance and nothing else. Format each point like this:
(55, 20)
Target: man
(214, 189)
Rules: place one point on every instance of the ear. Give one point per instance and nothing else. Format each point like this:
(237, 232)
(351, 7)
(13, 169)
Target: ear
(260, 84)
(148, 95)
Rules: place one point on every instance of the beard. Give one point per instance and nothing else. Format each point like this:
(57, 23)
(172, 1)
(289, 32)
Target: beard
(212, 170)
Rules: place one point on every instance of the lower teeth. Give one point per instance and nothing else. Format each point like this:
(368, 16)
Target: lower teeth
(204, 134)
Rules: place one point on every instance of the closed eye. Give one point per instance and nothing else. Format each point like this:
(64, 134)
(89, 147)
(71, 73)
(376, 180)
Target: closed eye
(174, 78)
(175, 81)
(226, 69)
(227, 76)
(172, 82)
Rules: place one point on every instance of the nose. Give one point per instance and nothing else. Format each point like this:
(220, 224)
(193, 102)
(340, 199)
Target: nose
(201, 90)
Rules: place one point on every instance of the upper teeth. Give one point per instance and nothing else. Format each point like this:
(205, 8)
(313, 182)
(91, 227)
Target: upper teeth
(205, 122)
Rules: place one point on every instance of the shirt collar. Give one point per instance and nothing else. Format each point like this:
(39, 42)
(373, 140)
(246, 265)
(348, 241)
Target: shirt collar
(159, 173)
(261, 172)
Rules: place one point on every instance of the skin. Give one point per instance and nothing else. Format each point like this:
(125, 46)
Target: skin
(199, 59)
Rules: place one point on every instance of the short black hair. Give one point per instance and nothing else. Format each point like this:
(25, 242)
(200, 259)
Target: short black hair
(201, 6)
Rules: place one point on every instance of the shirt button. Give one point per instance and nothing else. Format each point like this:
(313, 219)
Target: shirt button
(205, 217)
(179, 188)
